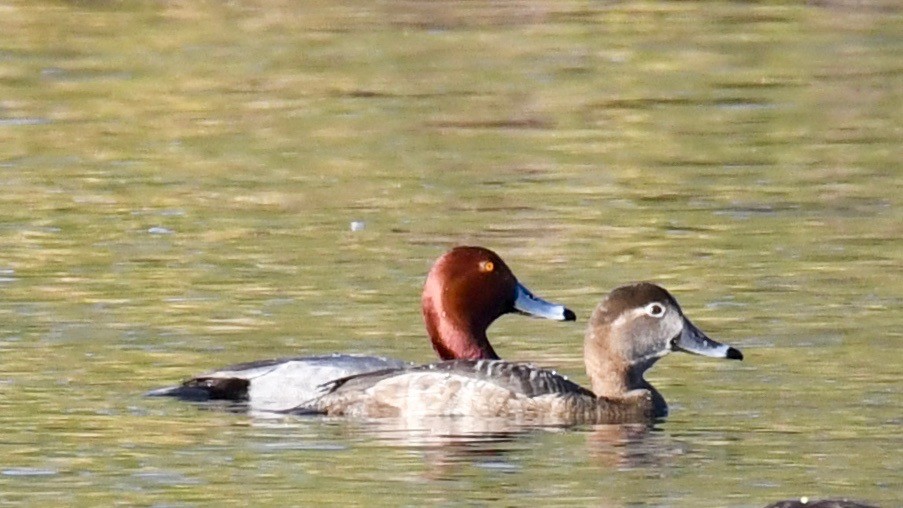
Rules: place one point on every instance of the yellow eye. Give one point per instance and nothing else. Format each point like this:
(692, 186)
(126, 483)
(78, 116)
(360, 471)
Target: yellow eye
(487, 266)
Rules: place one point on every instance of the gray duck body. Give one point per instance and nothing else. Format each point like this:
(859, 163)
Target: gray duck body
(465, 291)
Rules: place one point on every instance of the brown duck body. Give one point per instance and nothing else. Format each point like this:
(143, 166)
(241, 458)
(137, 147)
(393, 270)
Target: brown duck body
(629, 331)
(479, 388)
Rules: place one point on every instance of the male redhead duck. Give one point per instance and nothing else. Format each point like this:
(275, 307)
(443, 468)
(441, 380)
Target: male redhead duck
(466, 290)
(629, 331)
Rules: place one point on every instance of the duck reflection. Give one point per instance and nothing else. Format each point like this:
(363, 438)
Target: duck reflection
(450, 441)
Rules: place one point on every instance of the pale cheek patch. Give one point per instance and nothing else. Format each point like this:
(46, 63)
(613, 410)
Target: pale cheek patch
(628, 316)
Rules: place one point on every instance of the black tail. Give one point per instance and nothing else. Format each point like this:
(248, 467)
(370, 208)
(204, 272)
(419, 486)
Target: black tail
(204, 389)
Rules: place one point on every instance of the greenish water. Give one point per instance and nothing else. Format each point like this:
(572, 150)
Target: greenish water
(187, 185)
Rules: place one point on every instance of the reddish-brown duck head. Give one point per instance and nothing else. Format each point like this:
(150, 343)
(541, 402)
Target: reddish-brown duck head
(466, 290)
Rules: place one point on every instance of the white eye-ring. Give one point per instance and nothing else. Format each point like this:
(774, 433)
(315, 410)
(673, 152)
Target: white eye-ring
(655, 309)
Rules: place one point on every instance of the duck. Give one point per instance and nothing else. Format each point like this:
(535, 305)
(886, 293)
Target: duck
(465, 291)
(633, 327)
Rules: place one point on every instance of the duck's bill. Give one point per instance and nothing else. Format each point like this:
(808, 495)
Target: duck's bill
(692, 340)
(527, 303)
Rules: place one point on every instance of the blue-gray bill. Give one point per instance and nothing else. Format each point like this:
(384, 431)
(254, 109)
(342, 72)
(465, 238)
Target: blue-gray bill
(692, 340)
(527, 303)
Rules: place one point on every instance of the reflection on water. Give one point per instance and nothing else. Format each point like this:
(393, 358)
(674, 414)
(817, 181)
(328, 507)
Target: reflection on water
(181, 184)
(448, 444)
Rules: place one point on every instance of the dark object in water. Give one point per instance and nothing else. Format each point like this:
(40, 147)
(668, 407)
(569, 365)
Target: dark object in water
(804, 502)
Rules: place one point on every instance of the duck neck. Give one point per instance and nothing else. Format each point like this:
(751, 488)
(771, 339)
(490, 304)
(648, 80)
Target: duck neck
(612, 377)
(454, 339)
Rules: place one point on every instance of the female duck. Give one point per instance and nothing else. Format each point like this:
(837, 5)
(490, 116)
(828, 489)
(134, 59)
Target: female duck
(629, 331)
(466, 290)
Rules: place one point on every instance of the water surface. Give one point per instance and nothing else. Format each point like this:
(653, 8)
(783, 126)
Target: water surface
(187, 185)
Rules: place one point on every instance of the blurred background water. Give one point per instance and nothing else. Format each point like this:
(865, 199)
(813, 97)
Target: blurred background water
(192, 184)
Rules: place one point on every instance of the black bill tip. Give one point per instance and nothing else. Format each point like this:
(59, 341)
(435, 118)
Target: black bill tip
(570, 316)
(733, 354)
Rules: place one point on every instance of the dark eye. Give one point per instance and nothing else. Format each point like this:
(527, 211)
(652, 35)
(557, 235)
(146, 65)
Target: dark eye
(655, 310)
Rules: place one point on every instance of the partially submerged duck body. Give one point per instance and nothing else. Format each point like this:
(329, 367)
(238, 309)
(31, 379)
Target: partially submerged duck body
(805, 502)
(629, 331)
(480, 389)
(465, 291)
(275, 384)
